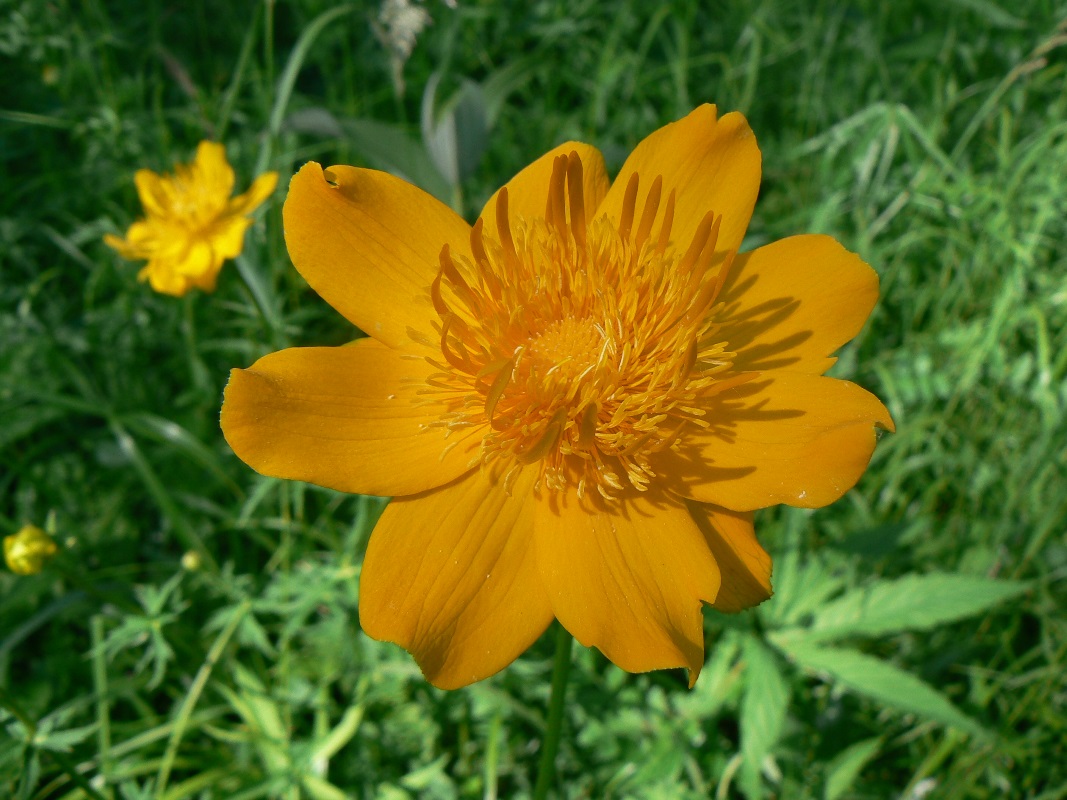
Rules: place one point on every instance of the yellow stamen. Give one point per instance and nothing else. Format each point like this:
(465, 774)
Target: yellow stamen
(572, 344)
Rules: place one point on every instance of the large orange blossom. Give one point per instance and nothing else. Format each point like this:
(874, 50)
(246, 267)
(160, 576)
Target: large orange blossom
(576, 403)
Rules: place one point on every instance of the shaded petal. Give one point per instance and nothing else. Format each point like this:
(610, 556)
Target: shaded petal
(368, 243)
(785, 437)
(228, 236)
(344, 418)
(745, 566)
(792, 303)
(127, 248)
(628, 577)
(163, 278)
(711, 164)
(450, 575)
(197, 259)
(528, 190)
(155, 192)
(261, 188)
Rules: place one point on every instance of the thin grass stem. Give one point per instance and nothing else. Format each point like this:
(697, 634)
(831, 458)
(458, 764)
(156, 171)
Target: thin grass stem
(561, 667)
(195, 690)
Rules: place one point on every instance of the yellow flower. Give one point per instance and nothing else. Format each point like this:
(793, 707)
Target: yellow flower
(27, 551)
(577, 403)
(191, 223)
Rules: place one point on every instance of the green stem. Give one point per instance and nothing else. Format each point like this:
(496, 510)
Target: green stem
(188, 705)
(554, 727)
(103, 709)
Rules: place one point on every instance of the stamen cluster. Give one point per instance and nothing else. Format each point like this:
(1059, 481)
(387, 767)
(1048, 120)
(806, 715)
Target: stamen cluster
(587, 346)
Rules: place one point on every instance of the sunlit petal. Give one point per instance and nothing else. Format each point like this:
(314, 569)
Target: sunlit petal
(451, 577)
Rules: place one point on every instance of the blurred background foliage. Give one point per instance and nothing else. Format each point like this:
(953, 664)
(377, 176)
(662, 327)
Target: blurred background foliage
(197, 635)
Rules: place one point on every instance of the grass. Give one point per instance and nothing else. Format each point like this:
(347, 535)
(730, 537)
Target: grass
(198, 635)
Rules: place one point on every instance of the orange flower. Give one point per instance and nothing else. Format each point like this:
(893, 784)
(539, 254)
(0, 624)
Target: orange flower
(576, 403)
(192, 225)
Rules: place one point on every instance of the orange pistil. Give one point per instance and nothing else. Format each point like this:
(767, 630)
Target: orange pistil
(581, 344)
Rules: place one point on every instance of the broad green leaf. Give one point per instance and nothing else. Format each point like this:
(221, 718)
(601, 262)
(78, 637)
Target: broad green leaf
(763, 708)
(915, 602)
(390, 148)
(384, 145)
(882, 682)
(456, 133)
(846, 766)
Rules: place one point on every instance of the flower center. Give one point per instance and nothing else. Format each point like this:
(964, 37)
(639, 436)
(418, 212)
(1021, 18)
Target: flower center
(585, 346)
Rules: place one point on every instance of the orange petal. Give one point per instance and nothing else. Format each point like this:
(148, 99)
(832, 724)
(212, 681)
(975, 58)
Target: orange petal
(711, 164)
(450, 575)
(790, 304)
(744, 564)
(368, 243)
(342, 417)
(627, 577)
(785, 437)
(528, 190)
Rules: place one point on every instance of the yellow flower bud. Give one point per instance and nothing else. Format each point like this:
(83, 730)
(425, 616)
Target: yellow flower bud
(27, 551)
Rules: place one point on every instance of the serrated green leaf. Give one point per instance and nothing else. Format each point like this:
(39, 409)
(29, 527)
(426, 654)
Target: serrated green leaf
(846, 766)
(915, 602)
(65, 740)
(763, 709)
(799, 589)
(881, 682)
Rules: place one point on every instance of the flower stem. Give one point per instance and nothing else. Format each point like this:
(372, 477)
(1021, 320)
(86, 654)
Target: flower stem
(550, 744)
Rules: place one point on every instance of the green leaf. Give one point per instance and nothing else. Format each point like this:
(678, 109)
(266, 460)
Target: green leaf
(341, 735)
(846, 766)
(287, 81)
(456, 133)
(915, 602)
(171, 433)
(384, 145)
(319, 789)
(882, 682)
(763, 708)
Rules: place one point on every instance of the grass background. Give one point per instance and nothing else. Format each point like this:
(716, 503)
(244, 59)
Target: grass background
(929, 137)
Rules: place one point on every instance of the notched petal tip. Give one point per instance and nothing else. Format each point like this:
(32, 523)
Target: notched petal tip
(368, 242)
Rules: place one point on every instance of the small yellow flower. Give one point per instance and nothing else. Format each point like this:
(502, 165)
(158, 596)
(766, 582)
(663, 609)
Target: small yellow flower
(576, 403)
(191, 224)
(27, 551)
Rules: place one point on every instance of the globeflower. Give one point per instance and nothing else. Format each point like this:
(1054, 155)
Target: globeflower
(191, 224)
(576, 403)
(27, 551)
